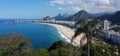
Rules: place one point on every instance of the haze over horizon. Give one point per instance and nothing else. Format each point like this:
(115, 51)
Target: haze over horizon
(41, 8)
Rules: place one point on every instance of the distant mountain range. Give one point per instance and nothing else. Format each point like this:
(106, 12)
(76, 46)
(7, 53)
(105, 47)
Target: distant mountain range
(100, 14)
(61, 16)
(114, 17)
(46, 18)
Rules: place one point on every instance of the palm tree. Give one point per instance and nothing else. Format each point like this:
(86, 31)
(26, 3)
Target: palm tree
(119, 49)
(88, 27)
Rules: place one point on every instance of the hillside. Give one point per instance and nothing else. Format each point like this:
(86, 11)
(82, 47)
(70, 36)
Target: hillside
(80, 15)
(114, 18)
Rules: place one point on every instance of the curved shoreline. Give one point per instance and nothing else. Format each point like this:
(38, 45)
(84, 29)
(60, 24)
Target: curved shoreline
(60, 32)
(68, 33)
(63, 35)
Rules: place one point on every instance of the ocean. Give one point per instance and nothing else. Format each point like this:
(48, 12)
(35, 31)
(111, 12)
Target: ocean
(40, 35)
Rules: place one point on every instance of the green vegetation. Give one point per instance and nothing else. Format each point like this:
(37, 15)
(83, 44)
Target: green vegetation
(16, 45)
(101, 50)
(93, 47)
(119, 49)
(13, 44)
(88, 27)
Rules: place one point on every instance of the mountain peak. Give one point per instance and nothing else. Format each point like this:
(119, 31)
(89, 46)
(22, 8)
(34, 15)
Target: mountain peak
(46, 18)
(59, 14)
(80, 15)
(82, 11)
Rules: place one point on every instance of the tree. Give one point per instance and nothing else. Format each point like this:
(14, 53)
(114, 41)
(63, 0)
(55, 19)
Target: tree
(119, 49)
(88, 27)
(61, 48)
(43, 52)
(12, 44)
(57, 44)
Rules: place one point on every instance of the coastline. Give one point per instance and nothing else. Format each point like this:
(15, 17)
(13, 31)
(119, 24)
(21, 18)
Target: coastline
(63, 36)
(68, 33)
(59, 31)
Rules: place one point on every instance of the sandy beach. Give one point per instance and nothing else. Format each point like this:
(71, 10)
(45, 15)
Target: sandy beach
(69, 33)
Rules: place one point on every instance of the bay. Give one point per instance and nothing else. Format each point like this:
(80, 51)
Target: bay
(40, 35)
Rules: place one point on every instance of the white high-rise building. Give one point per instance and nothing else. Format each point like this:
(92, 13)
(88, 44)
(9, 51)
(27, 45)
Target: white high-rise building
(106, 25)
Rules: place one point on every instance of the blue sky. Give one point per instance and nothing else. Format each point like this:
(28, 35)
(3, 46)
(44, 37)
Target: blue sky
(26, 9)
(41, 8)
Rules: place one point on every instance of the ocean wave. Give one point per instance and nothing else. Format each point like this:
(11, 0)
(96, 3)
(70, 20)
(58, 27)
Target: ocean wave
(63, 36)
(59, 31)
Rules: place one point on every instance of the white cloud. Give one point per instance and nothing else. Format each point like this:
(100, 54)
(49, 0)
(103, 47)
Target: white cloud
(76, 8)
(57, 2)
(71, 9)
(93, 6)
(105, 1)
(60, 8)
(52, 4)
(65, 2)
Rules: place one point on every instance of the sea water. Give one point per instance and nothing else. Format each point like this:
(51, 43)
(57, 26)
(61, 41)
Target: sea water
(40, 35)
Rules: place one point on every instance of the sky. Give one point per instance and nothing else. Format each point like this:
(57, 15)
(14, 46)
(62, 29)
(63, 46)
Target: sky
(36, 9)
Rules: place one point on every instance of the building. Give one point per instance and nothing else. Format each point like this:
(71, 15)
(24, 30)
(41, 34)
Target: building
(106, 25)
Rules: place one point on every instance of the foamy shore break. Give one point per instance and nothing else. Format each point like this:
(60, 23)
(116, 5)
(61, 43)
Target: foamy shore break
(68, 33)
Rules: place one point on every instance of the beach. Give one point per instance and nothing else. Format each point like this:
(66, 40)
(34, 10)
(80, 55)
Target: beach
(69, 33)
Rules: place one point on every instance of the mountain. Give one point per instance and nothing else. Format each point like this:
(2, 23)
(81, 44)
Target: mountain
(58, 17)
(46, 18)
(104, 17)
(80, 15)
(65, 15)
(101, 13)
(114, 18)
(61, 16)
